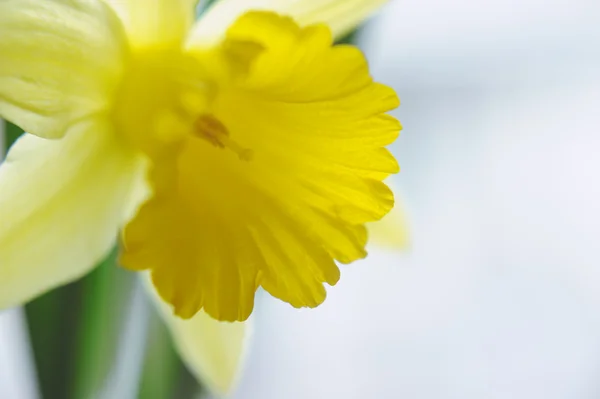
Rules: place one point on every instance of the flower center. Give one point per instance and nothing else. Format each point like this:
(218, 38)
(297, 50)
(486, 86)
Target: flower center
(165, 98)
(212, 130)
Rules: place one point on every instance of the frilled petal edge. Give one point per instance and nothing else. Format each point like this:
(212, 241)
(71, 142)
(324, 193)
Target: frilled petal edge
(214, 351)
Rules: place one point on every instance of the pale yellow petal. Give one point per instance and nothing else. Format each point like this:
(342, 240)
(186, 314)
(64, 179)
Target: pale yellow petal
(392, 231)
(61, 204)
(214, 351)
(341, 15)
(156, 23)
(60, 62)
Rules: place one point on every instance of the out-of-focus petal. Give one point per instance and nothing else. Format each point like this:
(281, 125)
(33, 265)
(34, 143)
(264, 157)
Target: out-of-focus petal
(60, 62)
(61, 204)
(392, 231)
(150, 23)
(341, 15)
(214, 351)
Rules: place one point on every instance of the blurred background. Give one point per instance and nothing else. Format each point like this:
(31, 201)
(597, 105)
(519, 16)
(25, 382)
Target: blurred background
(497, 297)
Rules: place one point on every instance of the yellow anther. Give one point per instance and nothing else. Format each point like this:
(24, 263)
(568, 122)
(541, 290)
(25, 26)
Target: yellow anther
(215, 132)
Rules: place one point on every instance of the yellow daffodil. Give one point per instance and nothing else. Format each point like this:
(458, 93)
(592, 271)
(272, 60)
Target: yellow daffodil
(240, 151)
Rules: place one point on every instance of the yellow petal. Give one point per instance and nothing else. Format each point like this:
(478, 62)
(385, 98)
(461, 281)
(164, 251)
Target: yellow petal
(61, 61)
(278, 183)
(156, 23)
(392, 231)
(61, 203)
(341, 15)
(214, 351)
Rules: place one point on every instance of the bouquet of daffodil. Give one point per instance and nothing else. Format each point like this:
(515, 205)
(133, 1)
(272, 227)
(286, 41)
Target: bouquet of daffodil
(239, 151)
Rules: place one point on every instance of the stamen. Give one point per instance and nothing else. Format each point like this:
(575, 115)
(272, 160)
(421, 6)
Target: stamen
(212, 130)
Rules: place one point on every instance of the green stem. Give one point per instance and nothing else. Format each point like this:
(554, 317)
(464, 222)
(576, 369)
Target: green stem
(100, 321)
(164, 375)
(161, 365)
(52, 319)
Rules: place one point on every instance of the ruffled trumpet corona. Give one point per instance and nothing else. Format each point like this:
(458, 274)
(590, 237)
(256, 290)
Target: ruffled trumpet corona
(239, 151)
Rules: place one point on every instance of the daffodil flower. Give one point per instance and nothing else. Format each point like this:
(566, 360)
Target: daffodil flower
(240, 151)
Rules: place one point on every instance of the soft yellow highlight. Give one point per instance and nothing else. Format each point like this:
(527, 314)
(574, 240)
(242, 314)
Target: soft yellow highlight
(392, 231)
(156, 23)
(221, 223)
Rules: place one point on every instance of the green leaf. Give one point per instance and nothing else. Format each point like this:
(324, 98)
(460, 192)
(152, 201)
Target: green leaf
(350, 38)
(12, 133)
